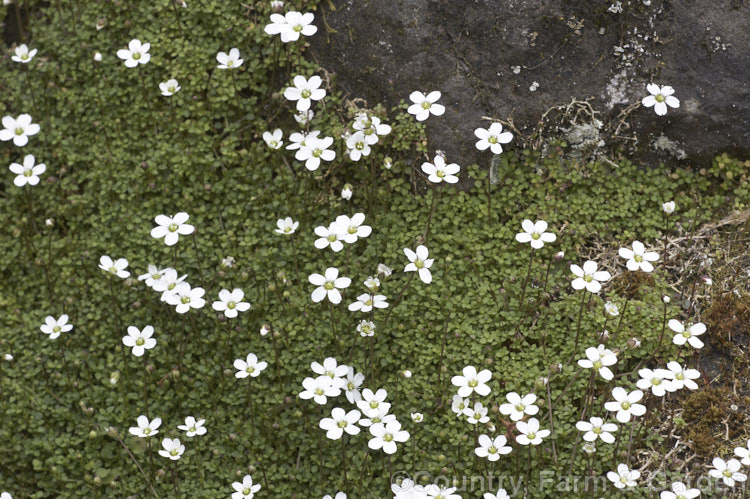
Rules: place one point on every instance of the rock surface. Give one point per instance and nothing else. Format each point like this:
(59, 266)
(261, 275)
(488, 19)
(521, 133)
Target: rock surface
(486, 55)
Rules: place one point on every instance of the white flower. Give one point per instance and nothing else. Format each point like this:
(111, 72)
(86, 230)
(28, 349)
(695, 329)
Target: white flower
(172, 448)
(352, 228)
(472, 381)
(135, 54)
(492, 449)
(501, 494)
(366, 328)
(535, 233)
(679, 491)
(299, 139)
(424, 105)
(668, 208)
(385, 436)
(346, 192)
(249, 367)
(743, 453)
(624, 477)
(385, 270)
(681, 377)
(329, 236)
(286, 226)
(638, 258)
(53, 327)
(171, 228)
(193, 427)
(689, 334)
(353, 382)
(169, 87)
(23, 54)
(373, 402)
(183, 297)
(139, 341)
(366, 302)
(333, 370)
(245, 489)
(19, 129)
(116, 267)
(458, 404)
(417, 417)
(599, 358)
(264, 330)
(315, 150)
(372, 283)
(492, 138)
(530, 432)
(476, 414)
(357, 146)
(597, 428)
(407, 489)
(229, 61)
(28, 173)
(97, 57)
(145, 427)
(658, 380)
(439, 492)
(339, 495)
(319, 389)
(168, 283)
(660, 98)
(379, 415)
(328, 285)
(304, 91)
(625, 404)
(304, 117)
(291, 25)
(728, 471)
(588, 277)
(611, 309)
(340, 422)
(438, 171)
(274, 140)
(518, 407)
(418, 262)
(371, 127)
(153, 275)
(230, 302)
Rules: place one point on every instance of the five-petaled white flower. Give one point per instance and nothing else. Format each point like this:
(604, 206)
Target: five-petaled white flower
(286, 226)
(418, 262)
(638, 258)
(728, 471)
(245, 489)
(611, 309)
(230, 302)
(492, 138)
(145, 427)
(249, 367)
(340, 422)
(371, 127)
(172, 448)
(135, 54)
(169, 87)
(658, 380)
(183, 297)
(623, 477)
(351, 229)
(331, 368)
(472, 381)
(18, 129)
(668, 208)
(588, 277)
(116, 267)
(315, 150)
(357, 146)
(319, 389)
(328, 285)
(501, 494)
(597, 428)
(329, 236)
(274, 140)
(353, 381)
(679, 491)
(625, 404)
(660, 98)
(535, 234)
(304, 91)
(385, 436)
(476, 414)
(681, 377)
(22, 54)
(193, 427)
(438, 171)
(171, 228)
(518, 407)
(291, 25)
(366, 302)
(138, 340)
(229, 61)
(689, 334)
(339, 495)
(530, 432)
(492, 449)
(373, 402)
(53, 327)
(743, 453)
(599, 358)
(424, 105)
(28, 173)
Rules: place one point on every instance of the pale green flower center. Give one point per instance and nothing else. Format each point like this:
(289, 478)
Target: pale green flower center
(246, 492)
(638, 258)
(727, 473)
(171, 286)
(623, 479)
(113, 269)
(350, 386)
(25, 56)
(136, 56)
(172, 227)
(170, 89)
(140, 342)
(492, 450)
(56, 329)
(660, 98)
(492, 139)
(173, 452)
(231, 305)
(331, 237)
(531, 435)
(28, 173)
(656, 381)
(328, 285)
(440, 173)
(155, 276)
(274, 144)
(376, 419)
(146, 431)
(352, 229)
(19, 131)
(250, 370)
(679, 376)
(535, 235)
(473, 383)
(374, 404)
(598, 364)
(287, 229)
(297, 28)
(317, 152)
(686, 334)
(359, 145)
(342, 424)
(387, 437)
(425, 105)
(625, 405)
(185, 299)
(230, 63)
(588, 278)
(369, 131)
(520, 407)
(192, 429)
(306, 94)
(597, 430)
(319, 391)
(369, 302)
(419, 264)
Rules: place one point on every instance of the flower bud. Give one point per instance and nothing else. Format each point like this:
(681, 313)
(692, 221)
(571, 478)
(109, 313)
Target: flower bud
(556, 368)
(346, 192)
(634, 343)
(666, 299)
(406, 373)
(387, 163)
(604, 336)
(277, 5)
(559, 256)
(98, 57)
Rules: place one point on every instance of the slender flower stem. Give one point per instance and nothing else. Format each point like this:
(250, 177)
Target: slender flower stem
(666, 232)
(551, 423)
(198, 257)
(622, 316)
(578, 328)
(135, 461)
(296, 265)
(521, 303)
(436, 191)
(343, 458)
